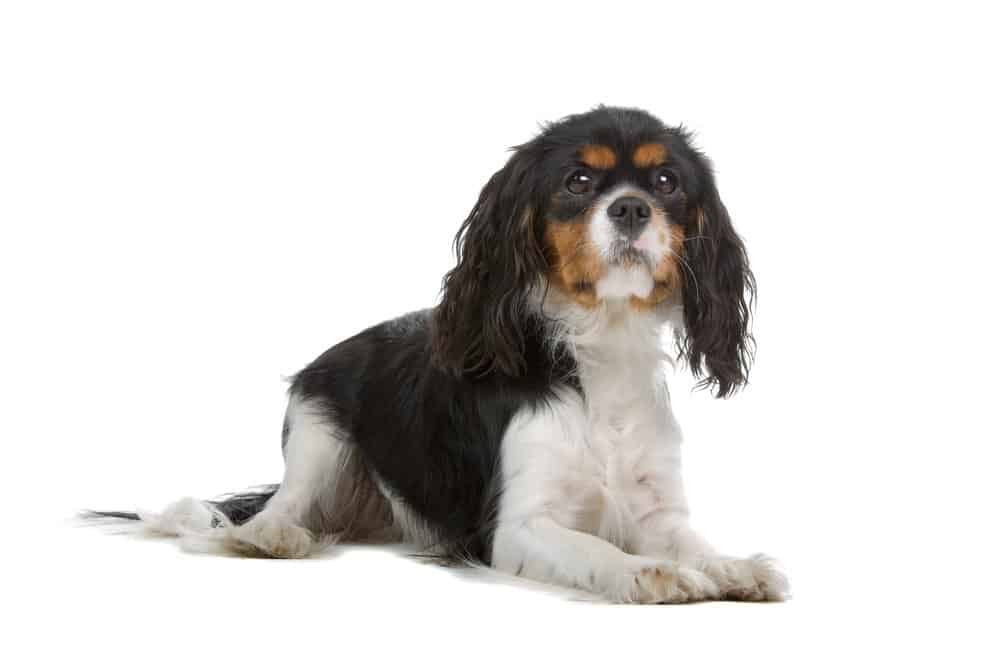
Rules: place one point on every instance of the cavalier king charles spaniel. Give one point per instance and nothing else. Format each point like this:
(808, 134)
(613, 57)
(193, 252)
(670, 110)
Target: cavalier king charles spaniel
(524, 423)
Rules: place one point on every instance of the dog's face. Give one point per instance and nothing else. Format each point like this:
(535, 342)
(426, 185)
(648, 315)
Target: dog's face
(609, 205)
(616, 210)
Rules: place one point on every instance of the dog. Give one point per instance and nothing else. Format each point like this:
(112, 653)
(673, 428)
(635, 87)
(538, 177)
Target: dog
(524, 422)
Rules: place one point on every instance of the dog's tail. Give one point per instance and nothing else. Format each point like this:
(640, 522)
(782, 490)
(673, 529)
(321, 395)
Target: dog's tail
(190, 515)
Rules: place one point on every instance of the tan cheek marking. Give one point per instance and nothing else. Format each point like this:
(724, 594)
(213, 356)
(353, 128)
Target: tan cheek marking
(649, 155)
(574, 263)
(666, 275)
(597, 156)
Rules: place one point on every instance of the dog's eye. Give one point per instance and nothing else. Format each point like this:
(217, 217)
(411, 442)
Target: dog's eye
(664, 181)
(580, 182)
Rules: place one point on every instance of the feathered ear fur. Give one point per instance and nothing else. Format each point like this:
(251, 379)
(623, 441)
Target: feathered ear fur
(718, 293)
(479, 326)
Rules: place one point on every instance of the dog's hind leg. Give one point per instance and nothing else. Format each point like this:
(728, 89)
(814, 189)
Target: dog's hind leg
(326, 493)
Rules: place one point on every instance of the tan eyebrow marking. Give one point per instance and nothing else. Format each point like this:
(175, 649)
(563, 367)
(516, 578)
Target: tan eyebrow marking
(649, 155)
(597, 156)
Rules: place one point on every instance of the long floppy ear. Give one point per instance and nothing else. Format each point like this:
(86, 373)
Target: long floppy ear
(719, 292)
(479, 326)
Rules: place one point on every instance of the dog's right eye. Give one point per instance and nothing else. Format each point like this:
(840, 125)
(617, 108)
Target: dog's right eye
(580, 182)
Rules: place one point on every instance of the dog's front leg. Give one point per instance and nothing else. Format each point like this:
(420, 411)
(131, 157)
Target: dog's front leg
(542, 550)
(667, 534)
(546, 464)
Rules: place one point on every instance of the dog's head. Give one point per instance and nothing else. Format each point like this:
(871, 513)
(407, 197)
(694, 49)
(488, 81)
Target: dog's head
(609, 205)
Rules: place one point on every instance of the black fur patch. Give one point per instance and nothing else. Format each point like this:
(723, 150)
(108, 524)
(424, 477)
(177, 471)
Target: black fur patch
(433, 438)
(237, 507)
(96, 514)
(241, 507)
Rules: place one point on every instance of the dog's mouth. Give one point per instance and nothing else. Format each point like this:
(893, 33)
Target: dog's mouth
(623, 253)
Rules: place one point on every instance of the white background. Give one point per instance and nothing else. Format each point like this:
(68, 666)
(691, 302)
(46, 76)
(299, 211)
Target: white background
(197, 198)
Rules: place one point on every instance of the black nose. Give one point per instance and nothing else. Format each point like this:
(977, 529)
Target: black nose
(630, 215)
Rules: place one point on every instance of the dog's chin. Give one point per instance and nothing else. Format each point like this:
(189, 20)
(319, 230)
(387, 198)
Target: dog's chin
(629, 274)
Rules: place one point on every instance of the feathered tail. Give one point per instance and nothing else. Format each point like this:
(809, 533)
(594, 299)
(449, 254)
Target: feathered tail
(192, 515)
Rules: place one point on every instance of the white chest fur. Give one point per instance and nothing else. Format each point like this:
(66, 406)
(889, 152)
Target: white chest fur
(602, 462)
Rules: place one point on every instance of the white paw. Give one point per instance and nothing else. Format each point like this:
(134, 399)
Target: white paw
(753, 579)
(651, 581)
(273, 535)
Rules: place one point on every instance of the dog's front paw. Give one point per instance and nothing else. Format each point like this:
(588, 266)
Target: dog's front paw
(754, 579)
(652, 581)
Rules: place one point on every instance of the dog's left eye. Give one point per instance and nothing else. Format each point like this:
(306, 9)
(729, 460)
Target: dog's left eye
(665, 181)
(580, 182)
